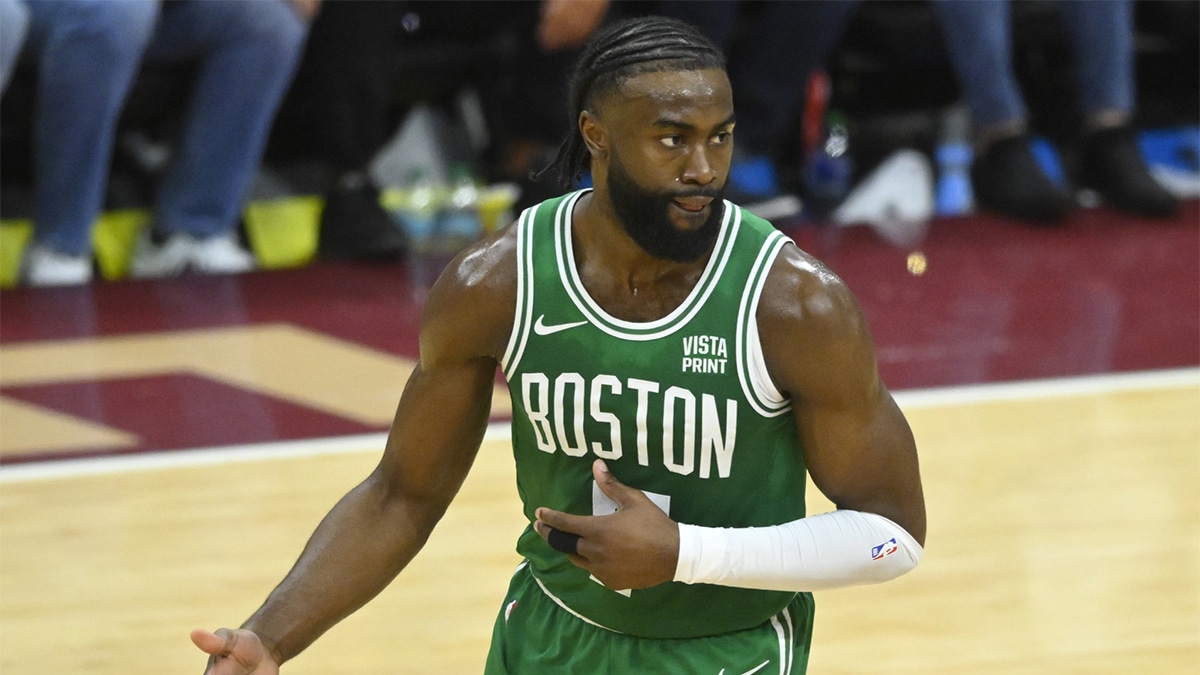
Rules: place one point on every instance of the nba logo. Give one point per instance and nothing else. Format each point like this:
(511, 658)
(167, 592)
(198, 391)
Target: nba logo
(884, 550)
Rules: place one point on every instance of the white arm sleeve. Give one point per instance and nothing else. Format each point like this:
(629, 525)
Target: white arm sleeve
(839, 548)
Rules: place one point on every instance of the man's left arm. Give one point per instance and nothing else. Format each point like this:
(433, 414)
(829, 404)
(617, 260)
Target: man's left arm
(857, 446)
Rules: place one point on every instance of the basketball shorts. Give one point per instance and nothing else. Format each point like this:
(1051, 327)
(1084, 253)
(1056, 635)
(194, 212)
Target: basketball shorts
(535, 636)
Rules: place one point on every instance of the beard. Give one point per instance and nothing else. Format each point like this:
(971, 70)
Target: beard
(645, 217)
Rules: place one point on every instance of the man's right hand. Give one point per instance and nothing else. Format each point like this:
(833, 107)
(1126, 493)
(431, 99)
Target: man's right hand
(235, 652)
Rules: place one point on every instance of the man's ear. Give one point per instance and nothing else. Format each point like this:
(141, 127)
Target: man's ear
(595, 136)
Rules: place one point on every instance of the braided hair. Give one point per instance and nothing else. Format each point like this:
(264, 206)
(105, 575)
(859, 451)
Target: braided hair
(619, 52)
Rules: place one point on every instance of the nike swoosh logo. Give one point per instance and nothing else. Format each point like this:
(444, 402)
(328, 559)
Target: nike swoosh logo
(541, 328)
(757, 668)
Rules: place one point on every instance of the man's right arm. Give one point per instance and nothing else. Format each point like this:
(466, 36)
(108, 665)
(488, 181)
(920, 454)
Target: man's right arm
(376, 529)
(380, 525)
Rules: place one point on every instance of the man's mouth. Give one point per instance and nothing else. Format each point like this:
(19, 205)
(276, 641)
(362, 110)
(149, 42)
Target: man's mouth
(692, 204)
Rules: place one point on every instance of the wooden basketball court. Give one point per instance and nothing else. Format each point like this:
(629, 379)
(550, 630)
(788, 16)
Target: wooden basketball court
(1064, 537)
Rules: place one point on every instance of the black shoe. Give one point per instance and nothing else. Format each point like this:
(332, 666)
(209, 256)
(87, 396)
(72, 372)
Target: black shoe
(355, 226)
(1112, 165)
(1007, 179)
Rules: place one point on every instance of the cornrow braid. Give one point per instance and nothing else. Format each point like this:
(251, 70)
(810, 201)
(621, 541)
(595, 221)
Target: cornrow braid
(619, 52)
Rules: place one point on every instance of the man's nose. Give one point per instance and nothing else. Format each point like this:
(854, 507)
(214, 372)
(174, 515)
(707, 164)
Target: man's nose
(698, 170)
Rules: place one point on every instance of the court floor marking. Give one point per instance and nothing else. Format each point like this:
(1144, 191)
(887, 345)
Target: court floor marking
(908, 399)
(1025, 390)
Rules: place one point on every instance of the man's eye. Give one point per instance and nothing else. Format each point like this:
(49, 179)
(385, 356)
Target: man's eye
(672, 141)
(722, 137)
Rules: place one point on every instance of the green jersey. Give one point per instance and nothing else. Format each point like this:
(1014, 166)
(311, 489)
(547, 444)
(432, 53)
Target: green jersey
(680, 407)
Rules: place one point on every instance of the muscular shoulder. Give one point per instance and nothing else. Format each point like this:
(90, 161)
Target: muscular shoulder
(470, 308)
(811, 325)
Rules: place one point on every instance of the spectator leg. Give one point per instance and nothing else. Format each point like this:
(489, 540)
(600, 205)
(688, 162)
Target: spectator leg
(88, 55)
(1101, 36)
(978, 38)
(14, 19)
(248, 52)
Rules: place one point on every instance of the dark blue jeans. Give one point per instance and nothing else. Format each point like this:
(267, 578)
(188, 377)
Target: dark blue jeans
(978, 37)
(88, 54)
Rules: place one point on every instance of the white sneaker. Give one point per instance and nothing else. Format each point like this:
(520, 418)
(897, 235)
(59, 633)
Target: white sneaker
(182, 253)
(220, 255)
(47, 267)
(168, 259)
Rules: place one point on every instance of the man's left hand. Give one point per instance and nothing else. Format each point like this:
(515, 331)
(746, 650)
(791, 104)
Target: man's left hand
(636, 547)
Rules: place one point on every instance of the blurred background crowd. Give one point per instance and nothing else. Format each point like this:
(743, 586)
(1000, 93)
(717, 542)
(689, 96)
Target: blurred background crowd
(151, 138)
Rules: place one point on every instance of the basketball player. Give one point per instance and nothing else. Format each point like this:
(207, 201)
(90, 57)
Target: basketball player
(676, 366)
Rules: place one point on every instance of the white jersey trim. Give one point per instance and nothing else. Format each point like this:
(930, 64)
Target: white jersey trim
(523, 312)
(758, 388)
(785, 640)
(649, 330)
(790, 657)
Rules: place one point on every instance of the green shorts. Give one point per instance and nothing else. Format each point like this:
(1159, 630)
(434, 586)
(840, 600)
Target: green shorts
(535, 636)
